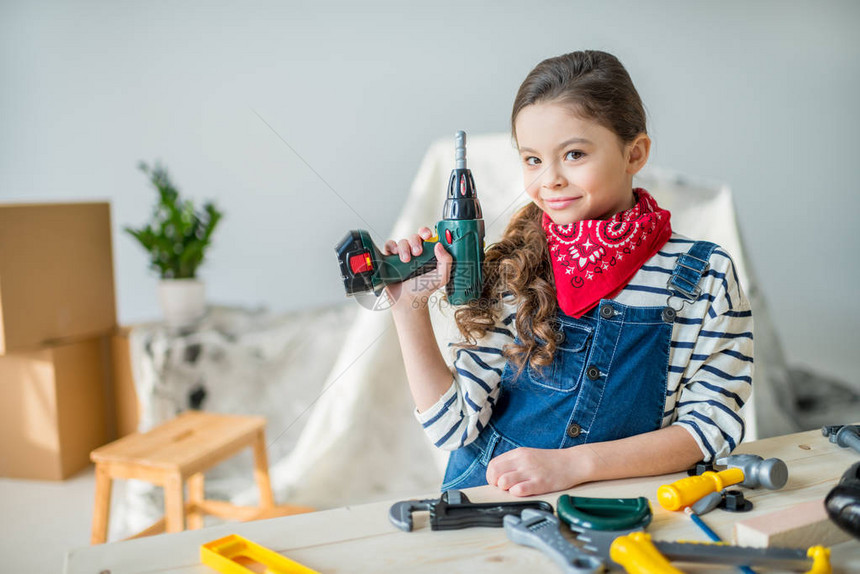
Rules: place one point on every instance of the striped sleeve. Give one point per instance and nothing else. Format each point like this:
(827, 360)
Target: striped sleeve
(463, 411)
(718, 378)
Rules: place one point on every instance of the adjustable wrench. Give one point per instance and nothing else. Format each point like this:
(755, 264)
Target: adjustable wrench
(540, 529)
(454, 510)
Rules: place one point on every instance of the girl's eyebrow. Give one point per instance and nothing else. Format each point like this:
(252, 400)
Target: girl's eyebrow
(561, 145)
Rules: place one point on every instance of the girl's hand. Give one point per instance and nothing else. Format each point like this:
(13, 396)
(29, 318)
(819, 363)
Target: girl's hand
(415, 293)
(529, 471)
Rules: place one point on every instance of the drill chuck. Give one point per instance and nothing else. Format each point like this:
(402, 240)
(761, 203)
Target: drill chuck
(460, 150)
(462, 201)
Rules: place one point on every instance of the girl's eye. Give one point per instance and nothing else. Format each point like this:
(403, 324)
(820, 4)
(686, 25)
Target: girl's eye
(532, 160)
(574, 155)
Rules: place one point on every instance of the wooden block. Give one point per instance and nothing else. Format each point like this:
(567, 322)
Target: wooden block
(799, 526)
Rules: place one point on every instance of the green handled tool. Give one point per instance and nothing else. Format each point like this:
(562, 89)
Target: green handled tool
(604, 513)
(364, 268)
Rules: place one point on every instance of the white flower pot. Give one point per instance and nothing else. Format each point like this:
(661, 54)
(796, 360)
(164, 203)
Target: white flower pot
(183, 301)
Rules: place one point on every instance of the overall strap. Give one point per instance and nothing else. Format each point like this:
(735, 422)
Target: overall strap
(684, 282)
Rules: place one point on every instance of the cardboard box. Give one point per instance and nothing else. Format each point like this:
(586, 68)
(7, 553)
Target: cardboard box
(53, 409)
(126, 405)
(56, 274)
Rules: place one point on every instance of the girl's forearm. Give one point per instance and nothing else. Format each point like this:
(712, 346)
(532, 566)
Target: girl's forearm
(666, 450)
(428, 374)
(529, 471)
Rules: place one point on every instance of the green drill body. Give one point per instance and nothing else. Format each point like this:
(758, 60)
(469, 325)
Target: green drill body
(461, 232)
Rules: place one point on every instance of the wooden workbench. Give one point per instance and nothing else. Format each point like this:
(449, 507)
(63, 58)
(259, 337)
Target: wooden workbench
(361, 539)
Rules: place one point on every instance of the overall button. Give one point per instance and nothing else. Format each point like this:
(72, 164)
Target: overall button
(607, 312)
(574, 430)
(669, 315)
(592, 373)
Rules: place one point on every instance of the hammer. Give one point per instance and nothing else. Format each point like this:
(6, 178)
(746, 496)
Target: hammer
(748, 470)
(770, 473)
(843, 435)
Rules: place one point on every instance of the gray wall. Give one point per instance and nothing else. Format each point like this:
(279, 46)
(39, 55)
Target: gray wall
(306, 119)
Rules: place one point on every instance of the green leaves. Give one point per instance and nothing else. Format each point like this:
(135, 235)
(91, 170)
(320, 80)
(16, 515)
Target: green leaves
(178, 234)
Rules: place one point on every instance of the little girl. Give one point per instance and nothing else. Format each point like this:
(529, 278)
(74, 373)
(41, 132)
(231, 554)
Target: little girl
(604, 344)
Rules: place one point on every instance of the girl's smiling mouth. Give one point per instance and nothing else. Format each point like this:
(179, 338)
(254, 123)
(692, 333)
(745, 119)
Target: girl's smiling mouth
(560, 202)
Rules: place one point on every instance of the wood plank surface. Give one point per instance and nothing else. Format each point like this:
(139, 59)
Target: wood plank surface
(361, 539)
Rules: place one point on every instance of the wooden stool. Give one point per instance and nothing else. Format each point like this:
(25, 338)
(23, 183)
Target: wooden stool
(182, 450)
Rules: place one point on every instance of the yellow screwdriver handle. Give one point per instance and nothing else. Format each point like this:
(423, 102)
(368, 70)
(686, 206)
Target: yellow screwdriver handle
(638, 555)
(688, 490)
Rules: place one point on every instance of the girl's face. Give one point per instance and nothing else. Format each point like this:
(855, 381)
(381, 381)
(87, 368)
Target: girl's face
(574, 168)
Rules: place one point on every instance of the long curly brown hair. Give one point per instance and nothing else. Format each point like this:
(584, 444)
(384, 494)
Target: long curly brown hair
(596, 86)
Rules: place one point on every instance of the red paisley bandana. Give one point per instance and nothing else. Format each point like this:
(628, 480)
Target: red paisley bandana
(594, 259)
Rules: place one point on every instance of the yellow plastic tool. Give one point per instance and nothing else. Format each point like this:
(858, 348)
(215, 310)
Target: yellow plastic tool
(638, 555)
(688, 490)
(234, 554)
(820, 560)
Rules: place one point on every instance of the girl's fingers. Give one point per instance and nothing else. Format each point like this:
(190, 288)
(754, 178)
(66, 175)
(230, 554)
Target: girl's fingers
(496, 468)
(414, 243)
(442, 254)
(444, 262)
(417, 244)
(525, 488)
(405, 250)
(511, 479)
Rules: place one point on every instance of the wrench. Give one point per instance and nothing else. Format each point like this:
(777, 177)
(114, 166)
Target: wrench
(540, 529)
(454, 510)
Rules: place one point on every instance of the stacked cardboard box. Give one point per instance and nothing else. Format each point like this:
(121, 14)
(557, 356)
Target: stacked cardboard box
(57, 313)
(126, 405)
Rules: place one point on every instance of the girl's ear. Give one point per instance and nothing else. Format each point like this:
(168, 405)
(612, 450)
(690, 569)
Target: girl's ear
(637, 153)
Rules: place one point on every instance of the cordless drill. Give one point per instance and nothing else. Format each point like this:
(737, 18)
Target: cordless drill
(364, 268)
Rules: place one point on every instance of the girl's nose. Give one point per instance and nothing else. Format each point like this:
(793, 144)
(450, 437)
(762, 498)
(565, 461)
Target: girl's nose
(552, 177)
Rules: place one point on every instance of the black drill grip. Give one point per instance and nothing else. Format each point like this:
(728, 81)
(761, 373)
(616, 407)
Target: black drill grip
(843, 502)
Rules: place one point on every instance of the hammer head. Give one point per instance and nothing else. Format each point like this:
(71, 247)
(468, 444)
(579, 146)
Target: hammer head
(843, 435)
(830, 431)
(771, 473)
(849, 436)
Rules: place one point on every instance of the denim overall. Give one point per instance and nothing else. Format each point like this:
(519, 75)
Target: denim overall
(607, 380)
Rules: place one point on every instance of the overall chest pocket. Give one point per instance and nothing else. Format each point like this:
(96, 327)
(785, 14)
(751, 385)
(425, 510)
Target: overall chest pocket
(568, 364)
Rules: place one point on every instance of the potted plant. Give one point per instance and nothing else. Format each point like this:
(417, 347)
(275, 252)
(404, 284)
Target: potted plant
(176, 238)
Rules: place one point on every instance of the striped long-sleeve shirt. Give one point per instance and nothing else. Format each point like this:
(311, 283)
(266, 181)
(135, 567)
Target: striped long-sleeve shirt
(710, 359)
